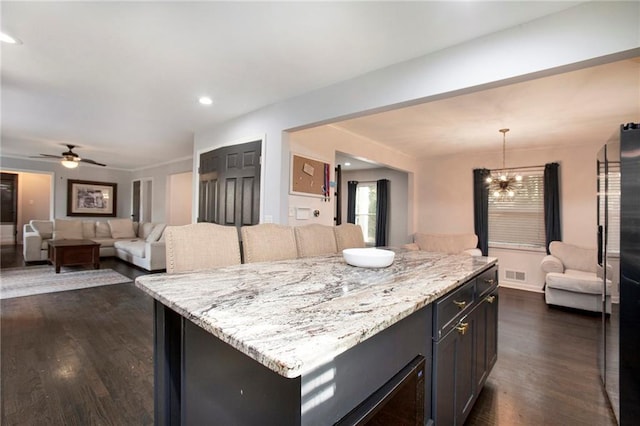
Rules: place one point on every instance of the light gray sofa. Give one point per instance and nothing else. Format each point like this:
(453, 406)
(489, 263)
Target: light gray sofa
(574, 278)
(140, 244)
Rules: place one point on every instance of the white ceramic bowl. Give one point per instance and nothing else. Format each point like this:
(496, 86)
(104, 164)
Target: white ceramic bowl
(368, 257)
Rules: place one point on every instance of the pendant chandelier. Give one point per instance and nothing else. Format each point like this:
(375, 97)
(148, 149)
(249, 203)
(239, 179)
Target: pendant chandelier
(503, 184)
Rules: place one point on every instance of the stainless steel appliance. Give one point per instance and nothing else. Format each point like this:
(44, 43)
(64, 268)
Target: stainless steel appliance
(619, 244)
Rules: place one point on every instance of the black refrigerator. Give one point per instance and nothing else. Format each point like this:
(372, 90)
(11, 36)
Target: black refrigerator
(630, 274)
(619, 232)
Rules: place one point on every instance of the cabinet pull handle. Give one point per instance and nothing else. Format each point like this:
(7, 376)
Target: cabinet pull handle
(491, 299)
(462, 327)
(490, 282)
(460, 305)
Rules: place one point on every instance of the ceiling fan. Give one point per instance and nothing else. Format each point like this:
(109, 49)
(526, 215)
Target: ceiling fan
(70, 159)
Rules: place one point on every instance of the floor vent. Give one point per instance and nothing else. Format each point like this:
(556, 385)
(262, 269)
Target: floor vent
(515, 276)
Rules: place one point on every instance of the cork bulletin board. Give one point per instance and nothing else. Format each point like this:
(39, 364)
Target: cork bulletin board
(309, 177)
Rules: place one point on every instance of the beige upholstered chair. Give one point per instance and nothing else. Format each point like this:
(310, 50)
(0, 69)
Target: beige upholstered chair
(349, 235)
(574, 278)
(201, 246)
(267, 242)
(315, 240)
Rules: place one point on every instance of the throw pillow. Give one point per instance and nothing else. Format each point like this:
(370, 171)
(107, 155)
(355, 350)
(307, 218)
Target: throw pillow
(43, 227)
(103, 230)
(121, 228)
(145, 229)
(89, 229)
(65, 229)
(156, 233)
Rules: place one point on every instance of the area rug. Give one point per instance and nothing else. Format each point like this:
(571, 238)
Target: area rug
(18, 282)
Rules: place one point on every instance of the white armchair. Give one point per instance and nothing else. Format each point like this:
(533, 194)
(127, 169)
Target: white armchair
(574, 278)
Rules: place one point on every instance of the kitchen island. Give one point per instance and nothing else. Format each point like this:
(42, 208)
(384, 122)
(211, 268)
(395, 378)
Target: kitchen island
(301, 341)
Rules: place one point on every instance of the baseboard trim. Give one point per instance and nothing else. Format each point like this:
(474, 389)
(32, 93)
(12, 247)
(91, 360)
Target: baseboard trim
(534, 288)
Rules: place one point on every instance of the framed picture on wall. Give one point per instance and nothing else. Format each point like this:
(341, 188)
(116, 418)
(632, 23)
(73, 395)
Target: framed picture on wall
(87, 198)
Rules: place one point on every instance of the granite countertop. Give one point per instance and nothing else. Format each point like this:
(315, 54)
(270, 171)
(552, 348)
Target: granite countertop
(293, 316)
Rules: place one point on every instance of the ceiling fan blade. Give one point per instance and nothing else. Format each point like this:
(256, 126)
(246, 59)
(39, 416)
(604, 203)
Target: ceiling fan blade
(86, 160)
(46, 155)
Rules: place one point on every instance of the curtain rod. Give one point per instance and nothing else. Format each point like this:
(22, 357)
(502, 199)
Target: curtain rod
(519, 168)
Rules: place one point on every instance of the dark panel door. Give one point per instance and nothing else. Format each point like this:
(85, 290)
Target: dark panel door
(9, 204)
(230, 185)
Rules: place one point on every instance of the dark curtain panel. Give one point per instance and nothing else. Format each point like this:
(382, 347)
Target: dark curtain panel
(481, 209)
(352, 185)
(382, 212)
(551, 203)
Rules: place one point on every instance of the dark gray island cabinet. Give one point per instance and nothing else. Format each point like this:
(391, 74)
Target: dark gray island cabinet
(318, 342)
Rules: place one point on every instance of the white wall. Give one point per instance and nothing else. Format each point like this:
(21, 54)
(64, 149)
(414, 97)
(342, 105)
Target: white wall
(160, 196)
(123, 178)
(571, 39)
(83, 172)
(179, 193)
(446, 199)
(34, 199)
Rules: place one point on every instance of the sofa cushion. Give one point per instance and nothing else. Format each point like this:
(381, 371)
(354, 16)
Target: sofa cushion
(576, 281)
(88, 229)
(65, 229)
(156, 233)
(43, 227)
(106, 242)
(121, 228)
(134, 248)
(145, 229)
(103, 230)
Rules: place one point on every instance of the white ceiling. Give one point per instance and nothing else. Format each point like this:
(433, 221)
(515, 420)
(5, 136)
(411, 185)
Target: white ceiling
(121, 79)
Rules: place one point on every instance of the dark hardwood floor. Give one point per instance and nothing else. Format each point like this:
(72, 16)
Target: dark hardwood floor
(85, 357)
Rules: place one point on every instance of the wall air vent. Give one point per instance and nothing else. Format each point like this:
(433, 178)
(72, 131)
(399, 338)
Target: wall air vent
(515, 276)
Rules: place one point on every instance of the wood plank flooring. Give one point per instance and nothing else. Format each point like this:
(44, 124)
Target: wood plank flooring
(85, 357)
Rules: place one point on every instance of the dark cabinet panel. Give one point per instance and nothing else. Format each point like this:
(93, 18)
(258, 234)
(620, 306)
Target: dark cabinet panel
(465, 347)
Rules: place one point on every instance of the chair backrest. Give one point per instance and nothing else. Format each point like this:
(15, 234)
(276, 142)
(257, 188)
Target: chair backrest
(349, 235)
(201, 246)
(446, 243)
(268, 242)
(575, 257)
(315, 240)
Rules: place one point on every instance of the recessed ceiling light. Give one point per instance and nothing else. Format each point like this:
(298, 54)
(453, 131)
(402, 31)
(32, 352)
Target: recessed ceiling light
(6, 38)
(205, 100)
(347, 164)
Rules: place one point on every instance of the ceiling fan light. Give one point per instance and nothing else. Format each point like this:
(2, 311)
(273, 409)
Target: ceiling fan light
(518, 178)
(489, 179)
(69, 164)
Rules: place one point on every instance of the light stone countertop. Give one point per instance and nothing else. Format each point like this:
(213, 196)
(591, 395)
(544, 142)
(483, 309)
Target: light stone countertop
(293, 316)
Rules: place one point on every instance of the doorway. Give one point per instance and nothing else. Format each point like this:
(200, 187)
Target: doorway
(141, 200)
(9, 208)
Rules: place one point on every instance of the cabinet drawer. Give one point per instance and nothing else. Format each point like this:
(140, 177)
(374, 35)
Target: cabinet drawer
(487, 281)
(452, 306)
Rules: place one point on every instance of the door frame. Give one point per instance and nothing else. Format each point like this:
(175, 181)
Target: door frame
(196, 167)
(145, 191)
(52, 196)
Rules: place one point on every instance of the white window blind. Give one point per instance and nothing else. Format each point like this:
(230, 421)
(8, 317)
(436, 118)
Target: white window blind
(613, 200)
(519, 222)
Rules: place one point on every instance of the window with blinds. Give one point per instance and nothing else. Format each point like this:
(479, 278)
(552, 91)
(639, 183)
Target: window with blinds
(519, 222)
(613, 200)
